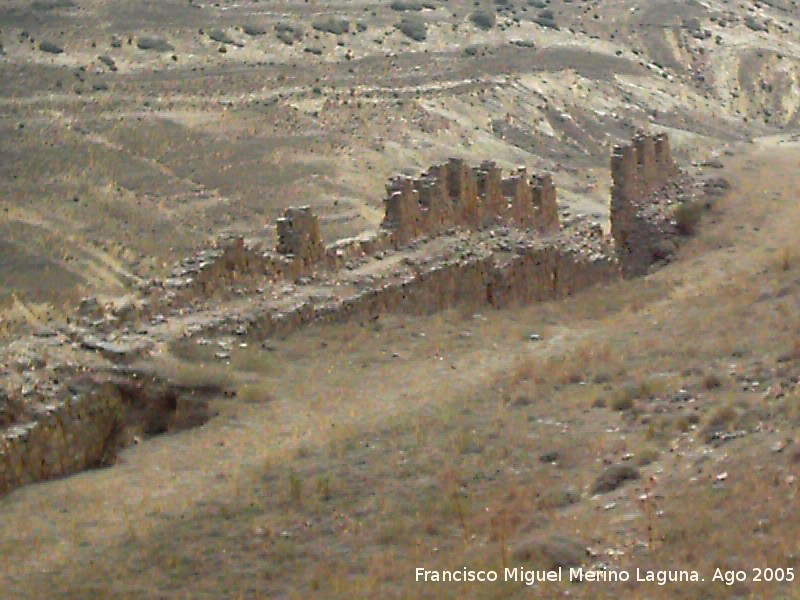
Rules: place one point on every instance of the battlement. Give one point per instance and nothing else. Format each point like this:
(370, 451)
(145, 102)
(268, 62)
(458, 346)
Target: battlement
(456, 195)
(639, 169)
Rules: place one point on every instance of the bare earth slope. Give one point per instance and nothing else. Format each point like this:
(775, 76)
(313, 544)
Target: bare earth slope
(456, 440)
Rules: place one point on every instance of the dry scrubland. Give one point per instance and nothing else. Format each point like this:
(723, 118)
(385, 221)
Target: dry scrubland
(352, 454)
(356, 453)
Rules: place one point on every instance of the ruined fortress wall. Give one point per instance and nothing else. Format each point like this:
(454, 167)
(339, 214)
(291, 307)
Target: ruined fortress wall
(537, 273)
(71, 435)
(446, 196)
(638, 170)
(456, 195)
(65, 438)
(450, 195)
(299, 237)
(235, 261)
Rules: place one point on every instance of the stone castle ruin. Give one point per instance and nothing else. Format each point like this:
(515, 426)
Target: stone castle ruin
(446, 197)
(637, 171)
(454, 235)
(454, 194)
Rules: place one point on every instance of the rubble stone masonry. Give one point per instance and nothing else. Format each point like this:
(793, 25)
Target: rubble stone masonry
(638, 170)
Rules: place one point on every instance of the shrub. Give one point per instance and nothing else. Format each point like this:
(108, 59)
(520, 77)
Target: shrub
(154, 43)
(295, 488)
(333, 25)
(613, 477)
(646, 456)
(687, 216)
(483, 19)
(401, 6)
(254, 30)
(719, 421)
(50, 48)
(415, 29)
(218, 35)
(712, 381)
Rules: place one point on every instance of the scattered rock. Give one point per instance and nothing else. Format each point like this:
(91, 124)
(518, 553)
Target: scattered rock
(555, 552)
(613, 477)
(154, 43)
(50, 47)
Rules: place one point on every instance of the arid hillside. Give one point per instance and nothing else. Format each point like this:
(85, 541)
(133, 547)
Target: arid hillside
(137, 132)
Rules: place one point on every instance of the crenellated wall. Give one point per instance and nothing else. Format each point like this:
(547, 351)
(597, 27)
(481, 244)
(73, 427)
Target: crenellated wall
(456, 195)
(447, 196)
(639, 170)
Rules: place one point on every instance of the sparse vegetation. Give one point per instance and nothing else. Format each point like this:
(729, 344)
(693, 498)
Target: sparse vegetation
(404, 5)
(154, 43)
(483, 19)
(415, 29)
(288, 34)
(720, 421)
(218, 35)
(333, 25)
(613, 477)
(50, 47)
(687, 217)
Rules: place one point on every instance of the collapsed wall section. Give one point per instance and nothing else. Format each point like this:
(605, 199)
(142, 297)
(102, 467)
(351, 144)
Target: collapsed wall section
(65, 437)
(299, 237)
